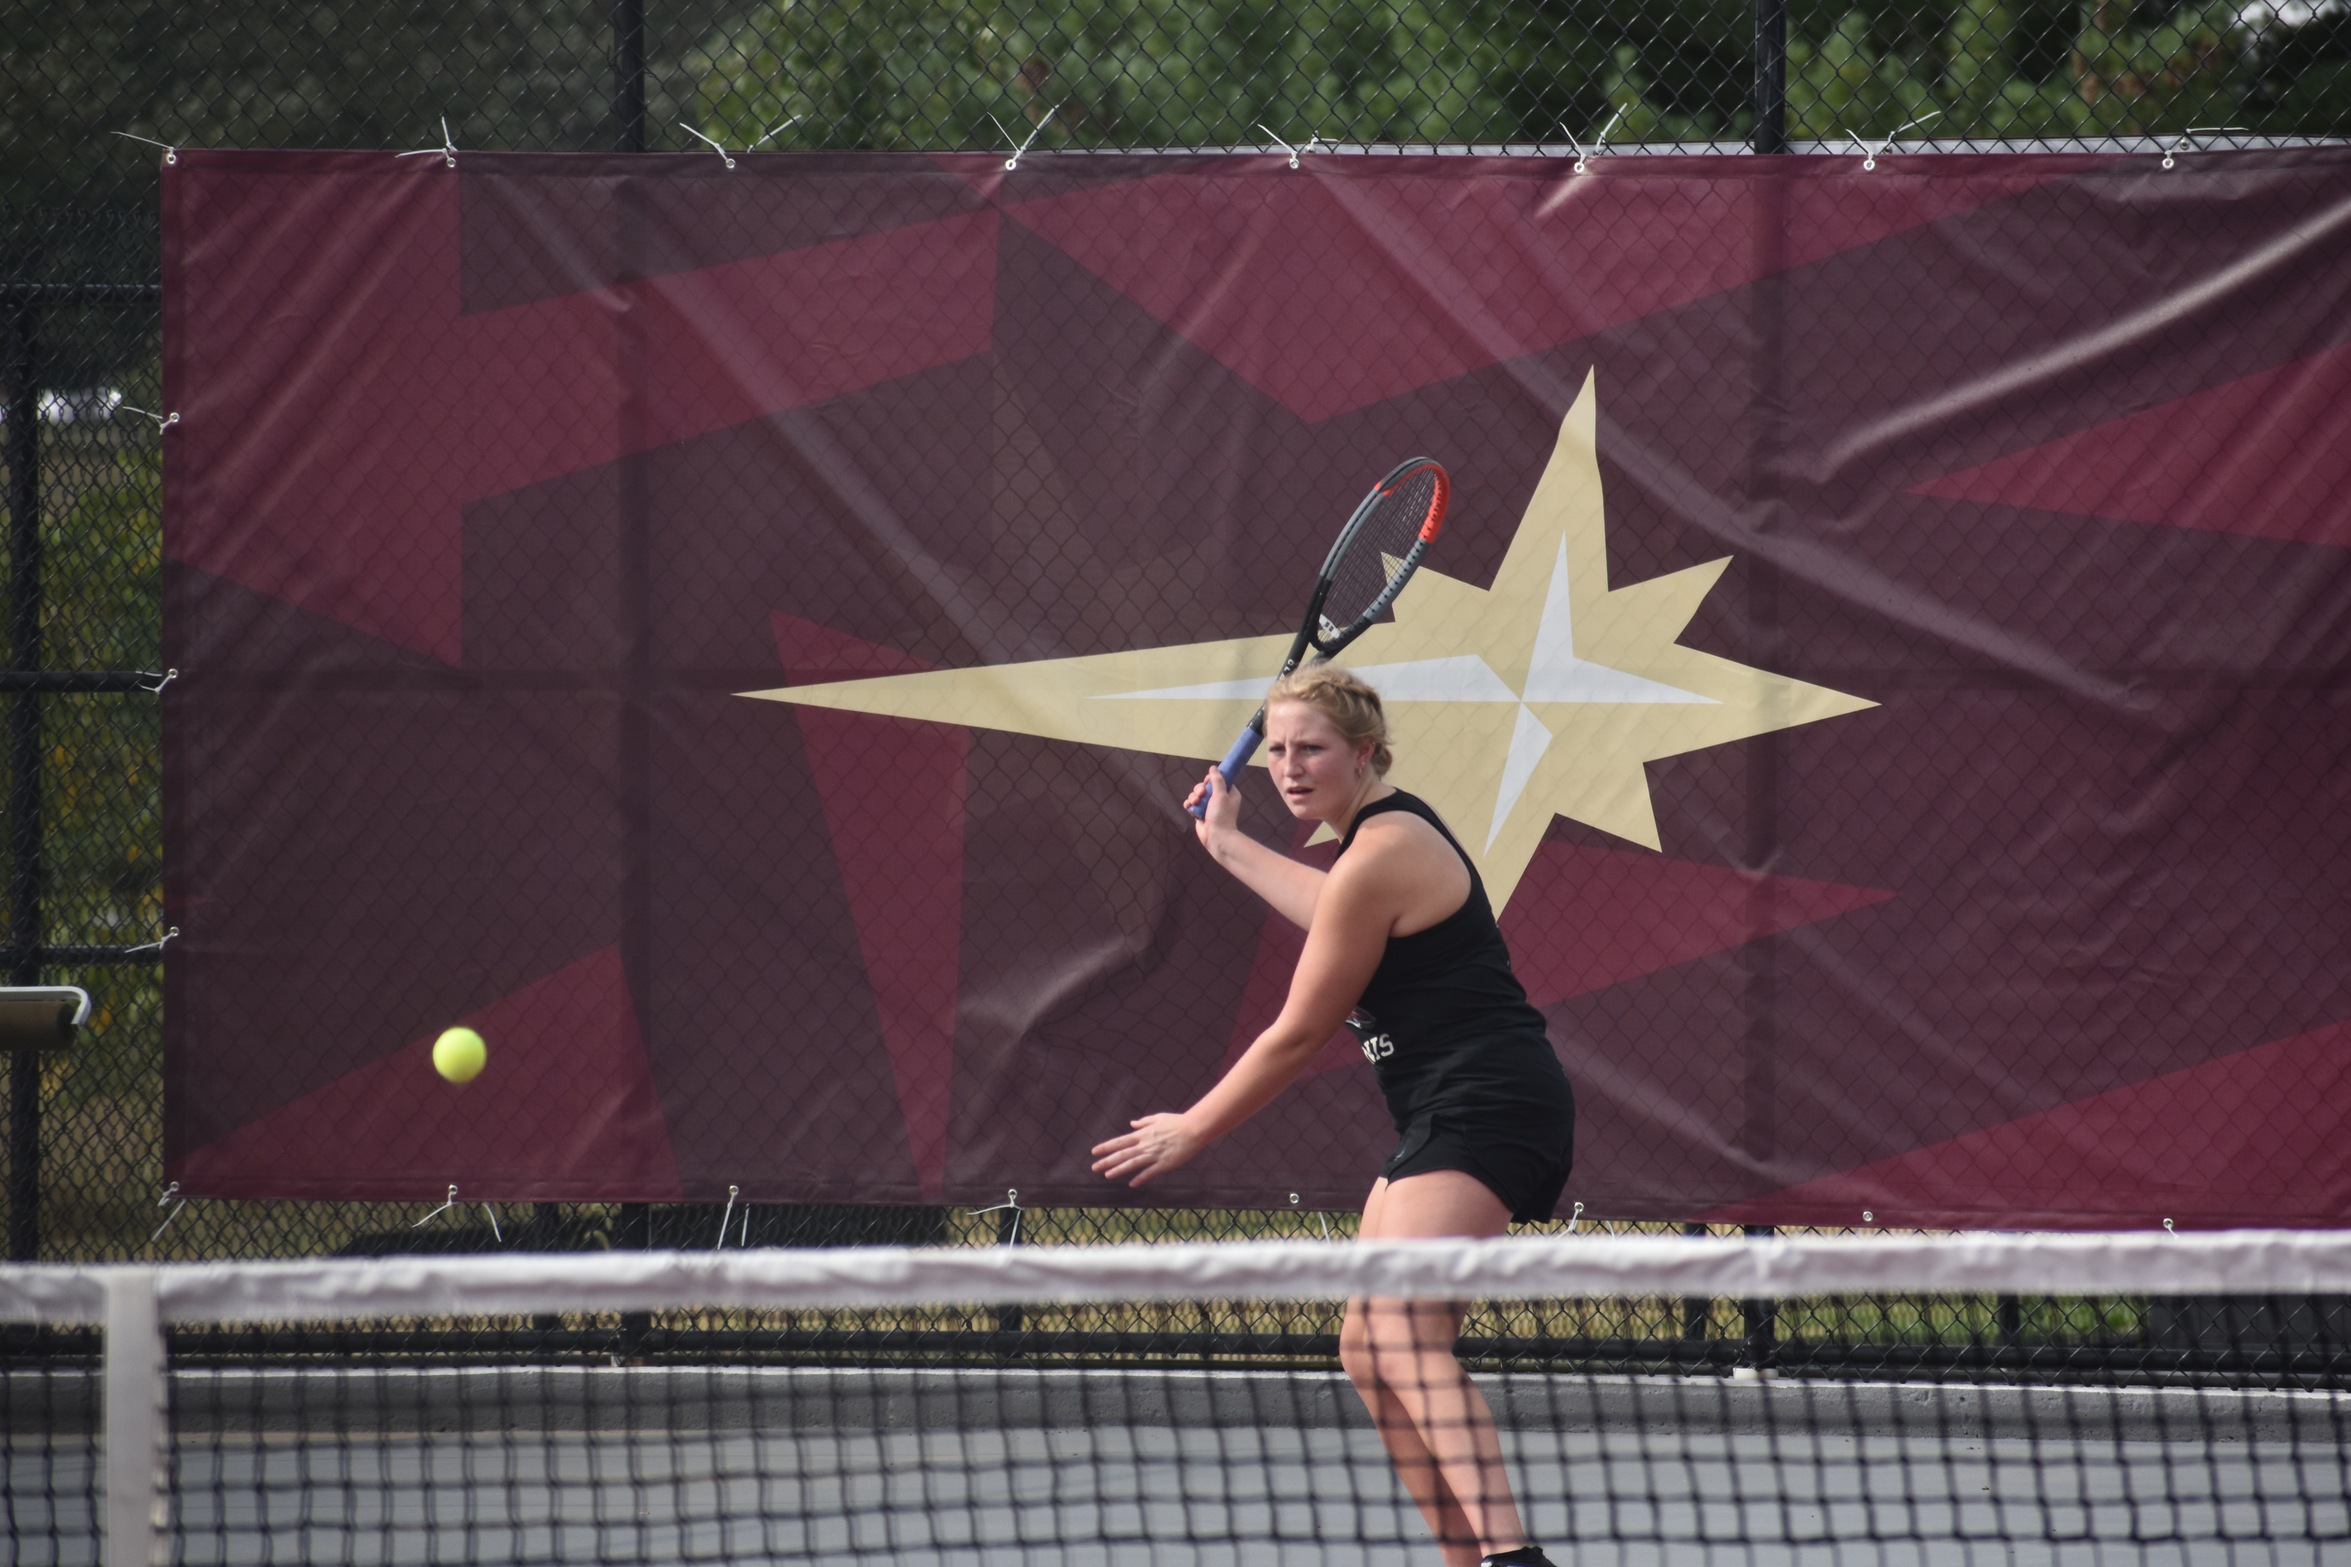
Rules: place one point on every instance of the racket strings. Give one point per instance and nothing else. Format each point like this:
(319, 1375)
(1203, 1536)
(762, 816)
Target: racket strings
(1376, 553)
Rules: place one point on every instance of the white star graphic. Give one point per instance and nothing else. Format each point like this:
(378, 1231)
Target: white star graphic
(1555, 674)
(1543, 694)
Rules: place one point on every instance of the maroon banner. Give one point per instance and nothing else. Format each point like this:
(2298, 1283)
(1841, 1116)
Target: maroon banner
(737, 638)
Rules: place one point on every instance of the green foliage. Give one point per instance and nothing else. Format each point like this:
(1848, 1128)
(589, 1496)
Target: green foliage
(2317, 95)
(2187, 70)
(2302, 78)
(1181, 73)
(101, 805)
(327, 75)
(1985, 90)
(1638, 112)
(1136, 73)
(102, 574)
(1846, 84)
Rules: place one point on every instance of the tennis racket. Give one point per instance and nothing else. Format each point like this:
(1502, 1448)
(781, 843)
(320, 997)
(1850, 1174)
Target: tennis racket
(1378, 551)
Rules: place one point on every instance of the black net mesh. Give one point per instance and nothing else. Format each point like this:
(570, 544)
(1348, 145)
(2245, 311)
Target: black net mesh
(344, 1417)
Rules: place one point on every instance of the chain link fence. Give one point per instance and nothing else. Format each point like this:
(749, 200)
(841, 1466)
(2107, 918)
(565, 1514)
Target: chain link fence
(96, 93)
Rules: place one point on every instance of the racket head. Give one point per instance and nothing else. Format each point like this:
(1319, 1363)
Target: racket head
(1379, 549)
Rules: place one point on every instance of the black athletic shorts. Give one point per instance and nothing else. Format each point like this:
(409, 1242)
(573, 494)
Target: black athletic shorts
(1521, 1159)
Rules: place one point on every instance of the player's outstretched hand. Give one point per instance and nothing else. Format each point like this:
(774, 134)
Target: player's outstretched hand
(1158, 1143)
(1224, 805)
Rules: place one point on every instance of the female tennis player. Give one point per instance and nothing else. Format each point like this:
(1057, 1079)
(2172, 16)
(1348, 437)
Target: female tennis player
(1401, 945)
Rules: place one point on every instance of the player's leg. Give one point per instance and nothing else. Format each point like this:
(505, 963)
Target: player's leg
(1399, 1354)
(1415, 1465)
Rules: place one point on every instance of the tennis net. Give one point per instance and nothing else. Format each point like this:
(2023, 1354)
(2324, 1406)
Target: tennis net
(1047, 1404)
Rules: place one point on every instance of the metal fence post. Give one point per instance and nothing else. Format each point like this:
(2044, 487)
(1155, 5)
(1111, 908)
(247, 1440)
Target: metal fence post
(1759, 853)
(635, 1234)
(1762, 1316)
(1759, 1126)
(24, 769)
(628, 75)
(1771, 76)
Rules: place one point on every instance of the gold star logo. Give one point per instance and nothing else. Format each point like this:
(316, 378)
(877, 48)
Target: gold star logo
(1544, 695)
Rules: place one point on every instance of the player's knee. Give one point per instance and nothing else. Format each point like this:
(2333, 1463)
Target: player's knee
(1377, 1341)
(1374, 1344)
(1357, 1354)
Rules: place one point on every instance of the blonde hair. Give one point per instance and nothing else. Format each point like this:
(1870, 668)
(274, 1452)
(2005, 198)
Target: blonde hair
(1347, 700)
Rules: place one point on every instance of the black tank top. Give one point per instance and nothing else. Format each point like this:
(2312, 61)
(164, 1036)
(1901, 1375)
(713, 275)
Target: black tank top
(1444, 1022)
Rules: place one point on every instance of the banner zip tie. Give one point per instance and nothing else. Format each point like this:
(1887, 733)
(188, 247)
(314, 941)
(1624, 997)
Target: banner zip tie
(157, 945)
(1295, 152)
(1012, 1201)
(162, 421)
(1599, 143)
(496, 1233)
(1021, 151)
(171, 154)
(447, 1203)
(161, 680)
(778, 131)
(1870, 155)
(723, 155)
(732, 1193)
(169, 1192)
(1574, 1218)
(2172, 144)
(447, 149)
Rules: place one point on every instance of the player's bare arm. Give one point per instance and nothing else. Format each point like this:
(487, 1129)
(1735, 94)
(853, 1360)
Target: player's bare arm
(1290, 887)
(1358, 907)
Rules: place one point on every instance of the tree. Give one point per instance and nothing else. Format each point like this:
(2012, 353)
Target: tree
(2187, 70)
(1131, 73)
(1191, 73)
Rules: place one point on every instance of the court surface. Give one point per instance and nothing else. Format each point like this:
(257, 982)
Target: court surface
(1787, 1478)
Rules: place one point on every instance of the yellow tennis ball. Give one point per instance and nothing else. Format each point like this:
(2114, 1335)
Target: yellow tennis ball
(460, 1054)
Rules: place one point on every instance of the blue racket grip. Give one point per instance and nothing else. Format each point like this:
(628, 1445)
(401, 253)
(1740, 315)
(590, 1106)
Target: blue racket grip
(1234, 760)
